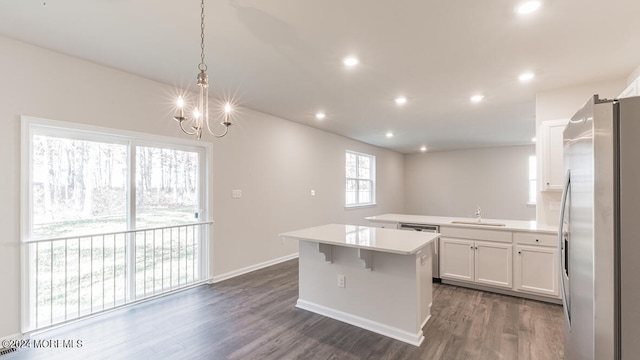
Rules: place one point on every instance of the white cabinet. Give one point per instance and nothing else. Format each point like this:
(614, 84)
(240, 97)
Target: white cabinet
(493, 263)
(631, 90)
(457, 259)
(536, 264)
(482, 262)
(550, 138)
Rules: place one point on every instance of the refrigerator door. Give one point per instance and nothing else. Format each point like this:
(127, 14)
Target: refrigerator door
(604, 185)
(628, 253)
(578, 160)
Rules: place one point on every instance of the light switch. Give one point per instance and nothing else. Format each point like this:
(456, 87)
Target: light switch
(342, 281)
(236, 194)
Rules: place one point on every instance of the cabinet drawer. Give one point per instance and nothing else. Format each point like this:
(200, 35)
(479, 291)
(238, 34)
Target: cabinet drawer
(476, 234)
(535, 239)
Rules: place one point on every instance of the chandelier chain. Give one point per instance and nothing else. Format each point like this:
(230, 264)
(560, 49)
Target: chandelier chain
(202, 66)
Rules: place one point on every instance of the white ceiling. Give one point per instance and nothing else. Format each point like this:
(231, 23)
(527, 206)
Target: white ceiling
(285, 57)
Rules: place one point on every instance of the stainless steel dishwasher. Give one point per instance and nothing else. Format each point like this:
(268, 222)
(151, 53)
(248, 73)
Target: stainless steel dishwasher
(435, 257)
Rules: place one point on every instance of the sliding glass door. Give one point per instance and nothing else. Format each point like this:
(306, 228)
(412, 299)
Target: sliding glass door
(108, 220)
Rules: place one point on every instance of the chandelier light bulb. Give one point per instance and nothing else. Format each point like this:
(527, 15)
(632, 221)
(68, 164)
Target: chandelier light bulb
(227, 110)
(180, 117)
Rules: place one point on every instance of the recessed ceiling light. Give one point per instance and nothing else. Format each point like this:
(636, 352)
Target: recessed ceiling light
(351, 61)
(389, 134)
(401, 100)
(528, 7)
(477, 98)
(320, 116)
(526, 76)
(423, 148)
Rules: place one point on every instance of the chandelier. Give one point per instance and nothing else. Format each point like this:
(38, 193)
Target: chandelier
(195, 124)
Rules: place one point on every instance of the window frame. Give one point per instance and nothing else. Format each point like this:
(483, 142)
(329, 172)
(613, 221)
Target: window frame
(32, 126)
(358, 179)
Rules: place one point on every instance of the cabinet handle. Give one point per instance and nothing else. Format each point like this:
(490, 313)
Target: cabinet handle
(476, 248)
(537, 240)
(519, 252)
(471, 247)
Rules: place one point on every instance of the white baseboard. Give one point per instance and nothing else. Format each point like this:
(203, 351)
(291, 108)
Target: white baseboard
(379, 328)
(248, 269)
(519, 294)
(17, 336)
(425, 321)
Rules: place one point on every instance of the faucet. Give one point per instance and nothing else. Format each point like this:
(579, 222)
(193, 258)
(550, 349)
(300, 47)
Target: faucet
(478, 214)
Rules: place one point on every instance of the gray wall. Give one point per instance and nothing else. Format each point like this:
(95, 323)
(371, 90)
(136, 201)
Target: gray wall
(452, 183)
(275, 162)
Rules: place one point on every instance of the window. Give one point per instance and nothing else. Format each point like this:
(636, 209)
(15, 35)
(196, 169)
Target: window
(360, 179)
(77, 186)
(109, 218)
(532, 179)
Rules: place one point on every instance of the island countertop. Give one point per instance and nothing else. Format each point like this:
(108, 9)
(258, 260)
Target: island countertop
(509, 225)
(365, 237)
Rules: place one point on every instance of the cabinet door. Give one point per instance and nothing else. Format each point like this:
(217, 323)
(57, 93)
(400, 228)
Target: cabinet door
(536, 270)
(456, 259)
(552, 166)
(493, 264)
(631, 90)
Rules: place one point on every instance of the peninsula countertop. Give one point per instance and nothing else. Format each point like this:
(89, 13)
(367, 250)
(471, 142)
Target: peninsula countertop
(509, 225)
(365, 237)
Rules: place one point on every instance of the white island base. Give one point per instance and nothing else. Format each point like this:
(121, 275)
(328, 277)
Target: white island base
(386, 290)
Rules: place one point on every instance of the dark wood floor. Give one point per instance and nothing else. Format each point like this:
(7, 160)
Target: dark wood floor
(253, 317)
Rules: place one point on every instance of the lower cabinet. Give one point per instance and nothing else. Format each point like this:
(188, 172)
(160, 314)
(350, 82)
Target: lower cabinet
(482, 262)
(536, 270)
(457, 259)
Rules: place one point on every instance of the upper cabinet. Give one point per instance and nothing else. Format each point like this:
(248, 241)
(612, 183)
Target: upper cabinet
(552, 167)
(632, 89)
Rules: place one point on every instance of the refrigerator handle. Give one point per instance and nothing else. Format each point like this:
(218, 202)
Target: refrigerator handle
(561, 247)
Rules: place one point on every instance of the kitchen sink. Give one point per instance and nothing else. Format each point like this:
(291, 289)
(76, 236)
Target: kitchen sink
(477, 223)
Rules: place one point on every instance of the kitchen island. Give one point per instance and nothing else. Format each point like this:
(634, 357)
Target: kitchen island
(377, 279)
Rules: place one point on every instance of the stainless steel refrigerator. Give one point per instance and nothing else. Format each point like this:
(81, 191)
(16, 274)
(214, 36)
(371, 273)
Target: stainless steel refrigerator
(599, 231)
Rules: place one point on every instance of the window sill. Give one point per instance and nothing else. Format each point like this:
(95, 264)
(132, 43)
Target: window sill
(348, 207)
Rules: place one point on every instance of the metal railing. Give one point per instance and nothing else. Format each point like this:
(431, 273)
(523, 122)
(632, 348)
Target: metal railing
(73, 277)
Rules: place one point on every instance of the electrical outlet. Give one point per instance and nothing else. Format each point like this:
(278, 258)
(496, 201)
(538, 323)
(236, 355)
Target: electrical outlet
(342, 281)
(236, 194)
(313, 193)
